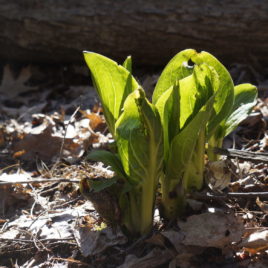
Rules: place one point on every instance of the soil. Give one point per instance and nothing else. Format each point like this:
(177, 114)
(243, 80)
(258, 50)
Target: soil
(50, 118)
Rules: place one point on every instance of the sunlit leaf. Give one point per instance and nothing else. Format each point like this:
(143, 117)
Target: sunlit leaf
(113, 84)
(244, 101)
(176, 69)
(128, 64)
(108, 159)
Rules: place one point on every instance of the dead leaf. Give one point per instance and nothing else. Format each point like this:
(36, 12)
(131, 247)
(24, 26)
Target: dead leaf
(13, 196)
(194, 204)
(175, 238)
(19, 154)
(11, 86)
(55, 224)
(211, 230)
(95, 242)
(155, 258)
(186, 255)
(48, 141)
(96, 123)
(262, 205)
(257, 240)
(156, 239)
(219, 174)
(2, 137)
(264, 143)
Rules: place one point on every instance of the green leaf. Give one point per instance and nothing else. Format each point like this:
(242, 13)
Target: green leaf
(140, 146)
(183, 145)
(244, 101)
(108, 159)
(225, 90)
(176, 69)
(139, 137)
(187, 146)
(113, 84)
(195, 90)
(128, 64)
(179, 104)
(99, 185)
(169, 111)
(185, 162)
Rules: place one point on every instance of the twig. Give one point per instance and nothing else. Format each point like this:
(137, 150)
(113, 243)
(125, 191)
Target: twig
(67, 203)
(42, 240)
(228, 195)
(68, 124)
(11, 166)
(69, 260)
(248, 195)
(39, 181)
(242, 154)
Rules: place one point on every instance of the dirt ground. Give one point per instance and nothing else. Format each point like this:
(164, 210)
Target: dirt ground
(50, 118)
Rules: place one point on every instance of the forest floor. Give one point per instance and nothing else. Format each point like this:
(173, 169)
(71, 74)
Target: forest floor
(50, 119)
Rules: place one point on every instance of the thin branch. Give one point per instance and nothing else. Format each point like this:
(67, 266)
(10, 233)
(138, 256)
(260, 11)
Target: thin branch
(39, 181)
(207, 196)
(71, 120)
(248, 195)
(242, 154)
(42, 240)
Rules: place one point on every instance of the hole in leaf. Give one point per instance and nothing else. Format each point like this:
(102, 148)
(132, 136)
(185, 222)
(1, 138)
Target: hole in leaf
(227, 233)
(190, 63)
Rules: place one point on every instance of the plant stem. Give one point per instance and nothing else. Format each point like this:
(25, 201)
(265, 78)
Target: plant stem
(214, 142)
(173, 193)
(193, 176)
(173, 199)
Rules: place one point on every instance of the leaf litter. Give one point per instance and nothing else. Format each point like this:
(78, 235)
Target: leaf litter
(45, 134)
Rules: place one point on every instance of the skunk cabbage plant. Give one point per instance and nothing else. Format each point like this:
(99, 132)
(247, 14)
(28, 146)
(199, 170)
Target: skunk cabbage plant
(163, 142)
(136, 127)
(244, 100)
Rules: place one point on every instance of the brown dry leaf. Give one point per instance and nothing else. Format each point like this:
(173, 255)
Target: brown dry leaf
(156, 239)
(46, 141)
(96, 123)
(185, 253)
(13, 196)
(254, 126)
(175, 238)
(11, 86)
(219, 174)
(18, 154)
(194, 204)
(54, 224)
(256, 241)
(211, 230)
(43, 145)
(95, 242)
(262, 205)
(264, 143)
(2, 137)
(155, 258)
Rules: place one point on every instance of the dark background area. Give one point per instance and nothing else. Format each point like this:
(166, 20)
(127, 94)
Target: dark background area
(152, 31)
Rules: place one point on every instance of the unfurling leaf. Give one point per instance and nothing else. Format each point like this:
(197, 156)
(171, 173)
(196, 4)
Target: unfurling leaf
(128, 64)
(113, 84)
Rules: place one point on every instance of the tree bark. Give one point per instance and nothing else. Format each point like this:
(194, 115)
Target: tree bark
(152, 31)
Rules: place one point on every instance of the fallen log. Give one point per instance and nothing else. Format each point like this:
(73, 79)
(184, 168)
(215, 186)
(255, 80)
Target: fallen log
(152, 31)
